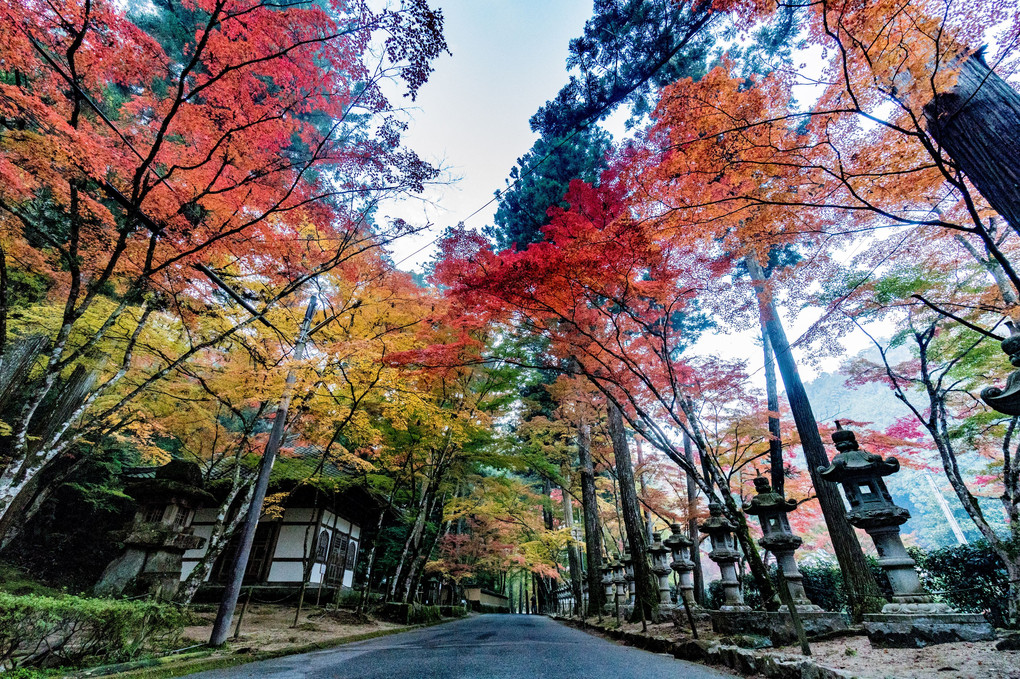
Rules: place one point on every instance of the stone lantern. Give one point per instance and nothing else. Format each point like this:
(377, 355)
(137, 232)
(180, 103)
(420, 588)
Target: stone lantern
(724, 553)
(660, 567)
(620, 580)
(871, 508)
(159, 534)
(628, 566)
(608, 584)
(679, 544)
(771, 509)
(1007, 400)
(912, 619)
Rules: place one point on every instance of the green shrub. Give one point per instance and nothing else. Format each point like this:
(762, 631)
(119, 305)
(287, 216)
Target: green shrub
(418, 614)
(453, 611)
(968, 577)
(14, 580)
(823, 584)
(41, 631)
(348, 598)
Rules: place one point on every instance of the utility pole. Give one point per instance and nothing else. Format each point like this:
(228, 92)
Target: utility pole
(940, 499)
(221, 628)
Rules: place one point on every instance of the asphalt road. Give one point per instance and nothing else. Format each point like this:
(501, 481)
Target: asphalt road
(496, 646)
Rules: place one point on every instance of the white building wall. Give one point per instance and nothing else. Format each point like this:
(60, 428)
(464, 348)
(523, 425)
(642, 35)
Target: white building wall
(285, 571)
(290, 544)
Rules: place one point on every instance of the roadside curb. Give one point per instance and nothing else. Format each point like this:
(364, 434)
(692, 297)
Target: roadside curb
(167, 667)
(742, 660)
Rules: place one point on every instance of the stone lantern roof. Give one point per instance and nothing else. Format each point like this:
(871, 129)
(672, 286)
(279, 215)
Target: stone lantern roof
(716, 523)
(852, 462)
(720, 531)
(657, 547)
(771, 508)
(676, 539)
(176, 482)
(767, 501)
(1007, 400)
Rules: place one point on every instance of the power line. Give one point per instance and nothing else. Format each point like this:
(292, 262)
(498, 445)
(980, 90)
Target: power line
(500, 193)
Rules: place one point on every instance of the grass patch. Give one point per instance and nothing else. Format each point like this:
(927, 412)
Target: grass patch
(168, 671)
(14, 581)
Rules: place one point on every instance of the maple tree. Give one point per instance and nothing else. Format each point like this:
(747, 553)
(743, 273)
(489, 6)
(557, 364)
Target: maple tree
(254, 140)
(946, 364)
(613, 303)
(735, 167)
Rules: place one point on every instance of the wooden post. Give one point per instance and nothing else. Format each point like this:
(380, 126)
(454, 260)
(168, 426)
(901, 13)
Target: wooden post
(244, 609)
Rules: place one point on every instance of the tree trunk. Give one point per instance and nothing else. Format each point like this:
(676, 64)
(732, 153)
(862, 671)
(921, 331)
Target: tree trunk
(412, 546)
(862, 591)
(412, 537)
(590, 512)
(418, 570)
(692, 525)
(372, 551)
(221, 626)
(776, 467)
(572, 559)
(222, 531)
(646, 594)
(546, 593)
(310, 547)
(649, 525)
(977, 122)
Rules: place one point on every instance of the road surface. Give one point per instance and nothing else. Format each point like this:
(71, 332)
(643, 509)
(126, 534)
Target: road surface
(485, 646)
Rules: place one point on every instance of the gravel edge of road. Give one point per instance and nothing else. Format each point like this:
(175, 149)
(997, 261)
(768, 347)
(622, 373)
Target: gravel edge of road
(741, 660)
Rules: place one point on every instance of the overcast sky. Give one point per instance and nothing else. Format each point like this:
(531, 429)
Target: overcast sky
(508, 58)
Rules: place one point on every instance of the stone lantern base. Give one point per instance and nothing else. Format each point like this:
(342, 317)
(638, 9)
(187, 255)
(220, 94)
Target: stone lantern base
(920, 625)
(669, 613)
(677, 614)
(777, 625)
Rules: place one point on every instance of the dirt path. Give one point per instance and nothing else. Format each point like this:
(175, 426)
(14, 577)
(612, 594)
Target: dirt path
(267, 627)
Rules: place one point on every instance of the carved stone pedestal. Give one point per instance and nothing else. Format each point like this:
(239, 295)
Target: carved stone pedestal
(610, 588)
(660, 568)
(771, 509)
(776, 625)
(724, 553)
(679, 544)
(920, 625)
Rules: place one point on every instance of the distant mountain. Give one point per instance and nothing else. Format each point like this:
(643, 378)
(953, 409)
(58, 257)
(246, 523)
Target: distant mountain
(831, 399)
(928, 527)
